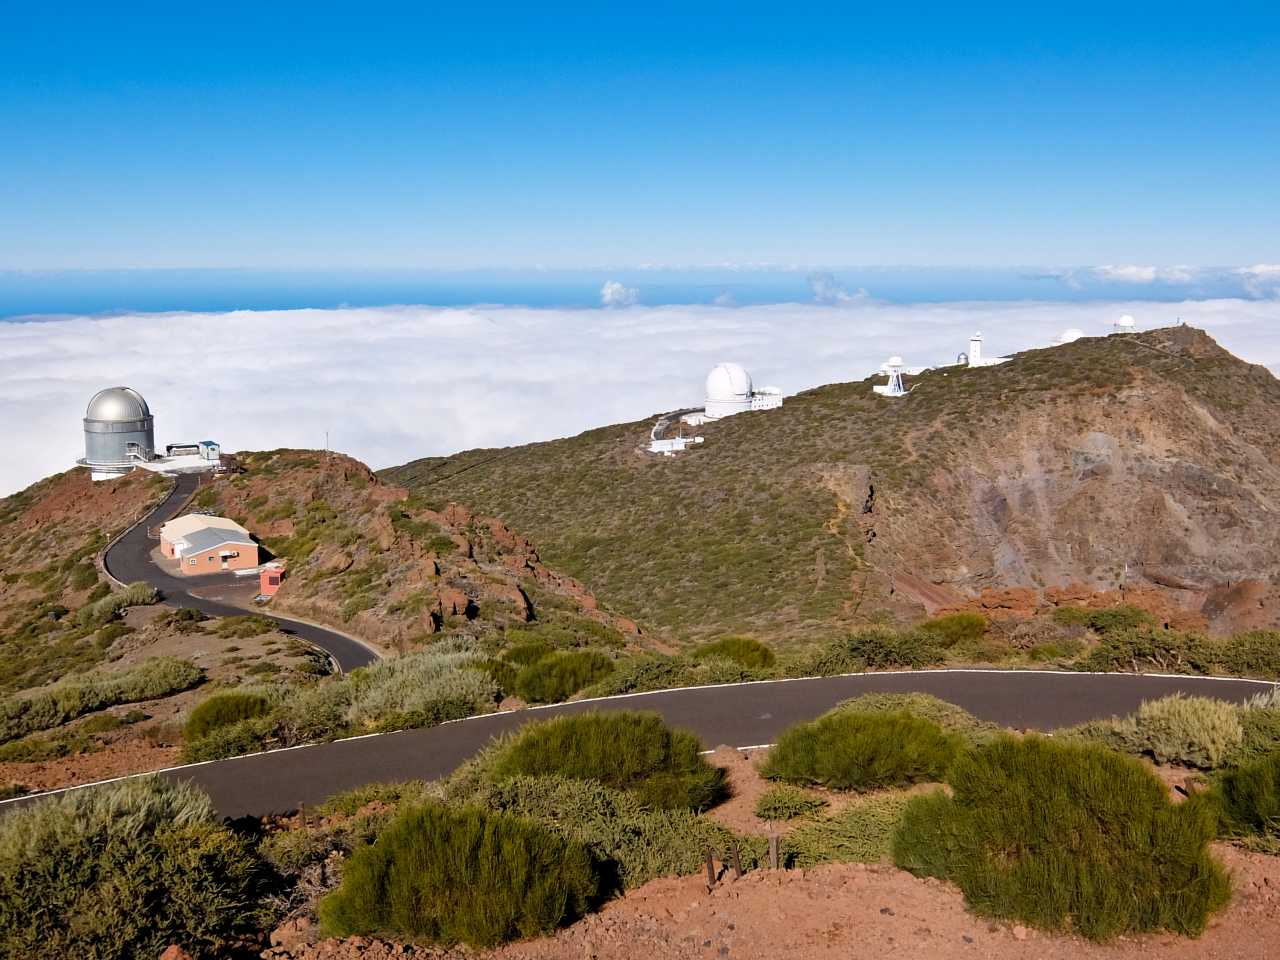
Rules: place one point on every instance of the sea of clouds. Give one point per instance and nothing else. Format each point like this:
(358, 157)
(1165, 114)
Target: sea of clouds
(390, 384)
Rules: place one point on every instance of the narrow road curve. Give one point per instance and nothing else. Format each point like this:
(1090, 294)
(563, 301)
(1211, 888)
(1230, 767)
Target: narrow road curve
(129, 559)
(739, 715)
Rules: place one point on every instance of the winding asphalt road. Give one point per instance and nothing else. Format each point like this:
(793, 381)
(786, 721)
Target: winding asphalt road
(738, 715)
(129, 559)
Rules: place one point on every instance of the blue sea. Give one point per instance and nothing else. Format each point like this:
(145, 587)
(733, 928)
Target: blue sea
(76, 292)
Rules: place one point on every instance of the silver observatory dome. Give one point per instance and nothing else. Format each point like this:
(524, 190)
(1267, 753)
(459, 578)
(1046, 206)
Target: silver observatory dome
(119, 431)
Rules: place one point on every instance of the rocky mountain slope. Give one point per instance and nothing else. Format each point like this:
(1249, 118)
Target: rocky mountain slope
(364, 555)
(1144, 467)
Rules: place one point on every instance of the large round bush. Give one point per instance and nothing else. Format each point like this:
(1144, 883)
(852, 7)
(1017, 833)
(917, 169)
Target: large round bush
(447, 875)
(118, 872)
(636, 752)
(1066, 837)
(850, 750)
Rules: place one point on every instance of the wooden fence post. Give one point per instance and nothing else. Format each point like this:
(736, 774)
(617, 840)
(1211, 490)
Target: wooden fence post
(711, 870)
(737, 862)
(773, 851)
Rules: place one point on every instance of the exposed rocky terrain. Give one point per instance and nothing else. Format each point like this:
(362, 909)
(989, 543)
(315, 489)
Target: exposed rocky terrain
(1142, 467)
(365, 556)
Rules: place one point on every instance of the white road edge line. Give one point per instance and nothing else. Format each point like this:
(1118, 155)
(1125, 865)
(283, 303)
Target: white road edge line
(1274, 685)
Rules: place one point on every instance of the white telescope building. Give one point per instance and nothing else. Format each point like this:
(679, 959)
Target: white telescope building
(730, 391)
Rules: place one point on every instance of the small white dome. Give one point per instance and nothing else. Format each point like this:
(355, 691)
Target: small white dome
(1126, 321)
(894, 362)
(728, 381)
(1070, 335)
(117, 405)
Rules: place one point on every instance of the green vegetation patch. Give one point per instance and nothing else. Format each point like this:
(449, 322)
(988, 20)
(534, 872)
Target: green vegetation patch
(785, 802)
(956, 628)
(746, 651)
(877, 649)
(223, 709)
(1066, 837)
(559, 676)
(157, 677)
(849, 750)
(1191, 731)
(1248, 798)
(636, 752)
(122, 871)
(948, 716)
(445, 875)
(860, 833)
(244, 627)
(101, 611)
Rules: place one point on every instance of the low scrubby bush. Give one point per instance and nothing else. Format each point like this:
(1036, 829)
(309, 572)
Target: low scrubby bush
(122, 871)
(948, 716)
(1260, 727)
(223, 709)
(107, 608)
(244, 627)
(1254, 654)
(849, 750)
(956, 628)
(745, 651)
(632, 842)
(636, 752)
(650, 672)
(417, 690)
(559, 676)
(860, 833)
(1163, 651)
(1066, 836)
(1192, 731)
(157, 677)
(524, 654)
(785, 802)
(467, 875)
(1107, 620)
(499, 671)
(1248, 797)
(877, 649)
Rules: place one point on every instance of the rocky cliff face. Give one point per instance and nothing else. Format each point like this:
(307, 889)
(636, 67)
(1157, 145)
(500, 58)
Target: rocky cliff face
(365, 556)
(1167, 487)
(1126, 467)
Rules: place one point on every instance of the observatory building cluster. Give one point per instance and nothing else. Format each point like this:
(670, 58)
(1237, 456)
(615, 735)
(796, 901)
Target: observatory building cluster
(119, 436)
(731, 391)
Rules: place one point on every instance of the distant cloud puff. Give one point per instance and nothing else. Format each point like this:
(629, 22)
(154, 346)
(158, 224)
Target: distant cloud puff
(395, 383)
(1132, 273)
(615, 294)
(827, 289)
(1261, 280)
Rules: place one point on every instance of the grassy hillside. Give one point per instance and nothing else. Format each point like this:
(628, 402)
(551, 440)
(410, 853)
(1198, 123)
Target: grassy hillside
(1109, 460)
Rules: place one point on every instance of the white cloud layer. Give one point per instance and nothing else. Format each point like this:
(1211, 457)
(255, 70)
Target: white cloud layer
(394, 383)
(1134, 273)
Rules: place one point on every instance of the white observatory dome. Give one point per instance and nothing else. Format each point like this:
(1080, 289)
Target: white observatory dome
(1070, 335)
(894, 362)
(117, 405)
(1126, 322)
(728, 381)
(728, 390)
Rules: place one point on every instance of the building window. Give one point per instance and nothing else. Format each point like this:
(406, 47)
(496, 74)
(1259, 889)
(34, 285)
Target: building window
(210, 559)
(192, 561)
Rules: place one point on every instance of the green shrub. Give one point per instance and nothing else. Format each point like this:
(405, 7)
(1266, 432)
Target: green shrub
(499, 671)
(877, 649)
(112, 632)
(122, 871)
(956, 628)
(848, 750)
(525, 654)
(221, 710)
(636, 752)
(1260, 727)
(746, 651)
(244, 627)
(948, 716)
(157, 677)
(1192, 731)
(1108, 620)
(561, 675)
(232, 740)
(1165, 651)
(83, 576)
(416, 690)
(650, 672)
(785, 802)
(632, 842)
(860, 833)
(1248, 797)
(1256, 654)
(107, 608)
(1066, 836)
(466, 875)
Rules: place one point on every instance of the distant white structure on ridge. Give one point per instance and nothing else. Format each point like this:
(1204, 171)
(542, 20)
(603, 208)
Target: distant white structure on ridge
(894, 388)
(1070, 335)
(730, 391)
(1126, 324)
(974, 357)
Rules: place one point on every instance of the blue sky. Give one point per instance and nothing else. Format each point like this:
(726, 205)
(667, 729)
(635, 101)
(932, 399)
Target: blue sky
(289, 135)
